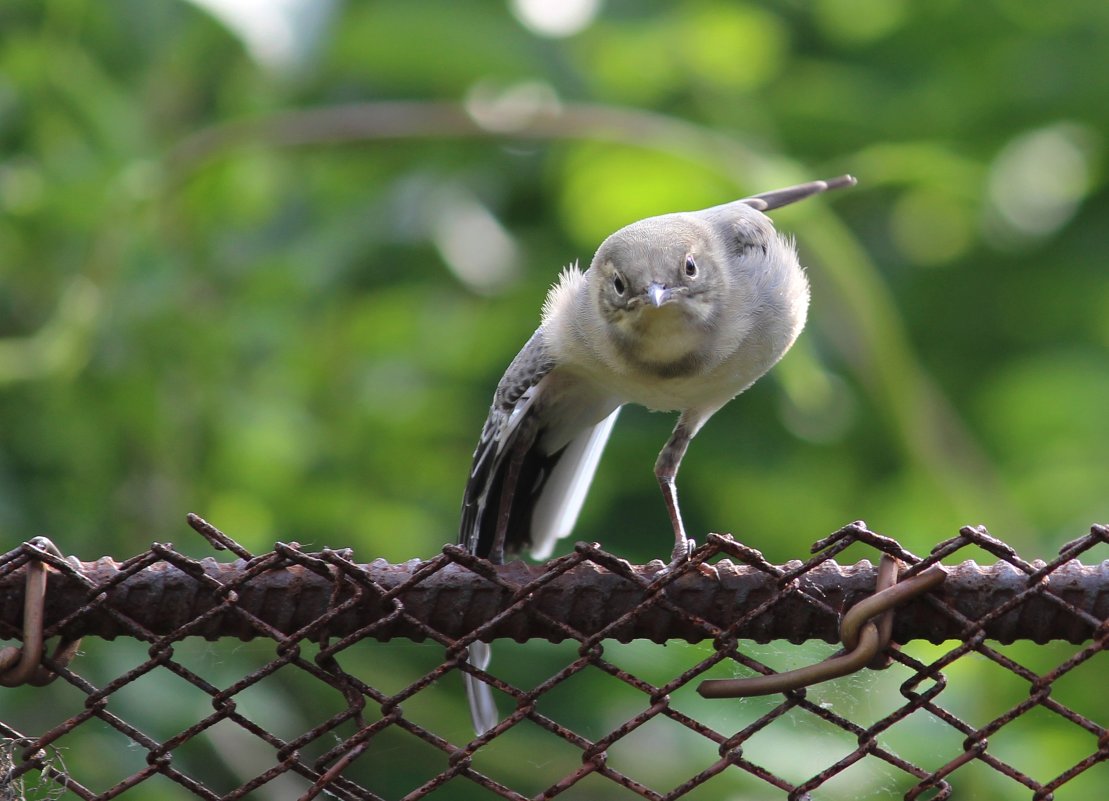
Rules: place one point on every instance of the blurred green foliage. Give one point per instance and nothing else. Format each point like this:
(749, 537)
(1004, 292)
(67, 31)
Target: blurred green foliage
(296, 333)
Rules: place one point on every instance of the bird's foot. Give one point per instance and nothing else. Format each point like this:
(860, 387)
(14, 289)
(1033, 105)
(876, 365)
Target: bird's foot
(683, 550)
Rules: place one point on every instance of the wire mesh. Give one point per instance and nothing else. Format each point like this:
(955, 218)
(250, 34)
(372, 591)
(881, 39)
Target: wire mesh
(289, 673)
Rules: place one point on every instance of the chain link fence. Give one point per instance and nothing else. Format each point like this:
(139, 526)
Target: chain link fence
(294, 674)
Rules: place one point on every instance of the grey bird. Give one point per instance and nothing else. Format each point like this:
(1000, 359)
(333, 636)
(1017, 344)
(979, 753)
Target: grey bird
(677, 312)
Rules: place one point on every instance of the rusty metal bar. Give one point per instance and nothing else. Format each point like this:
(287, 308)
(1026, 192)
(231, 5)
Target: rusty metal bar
(289, 592)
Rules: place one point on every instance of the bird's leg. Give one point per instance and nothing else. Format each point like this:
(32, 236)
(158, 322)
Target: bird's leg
(666, 471)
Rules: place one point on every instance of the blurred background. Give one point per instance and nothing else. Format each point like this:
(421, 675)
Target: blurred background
(266, 261)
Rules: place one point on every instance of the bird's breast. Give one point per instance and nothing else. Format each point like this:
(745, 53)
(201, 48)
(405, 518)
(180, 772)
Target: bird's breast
(675, 368)
(659, 392)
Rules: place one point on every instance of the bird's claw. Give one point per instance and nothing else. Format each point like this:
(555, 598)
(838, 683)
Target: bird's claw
(683, 551)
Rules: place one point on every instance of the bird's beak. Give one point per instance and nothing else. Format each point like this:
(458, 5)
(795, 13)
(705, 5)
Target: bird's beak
(658, 294)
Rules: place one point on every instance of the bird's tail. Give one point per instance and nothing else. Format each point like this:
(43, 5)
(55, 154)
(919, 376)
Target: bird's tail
(483, 710)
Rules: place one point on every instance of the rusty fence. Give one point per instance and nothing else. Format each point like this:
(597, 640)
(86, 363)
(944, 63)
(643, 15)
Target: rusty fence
(295, 675)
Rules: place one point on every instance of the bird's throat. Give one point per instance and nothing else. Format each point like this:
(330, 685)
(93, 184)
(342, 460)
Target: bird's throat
(663, 342)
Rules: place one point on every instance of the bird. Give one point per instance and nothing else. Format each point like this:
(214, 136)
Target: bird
(678, 312)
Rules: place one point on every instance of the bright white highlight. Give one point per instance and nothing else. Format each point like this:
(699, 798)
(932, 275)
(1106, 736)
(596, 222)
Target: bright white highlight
(278, 34)
(555, 18)
(1038, 180)
(473, 243)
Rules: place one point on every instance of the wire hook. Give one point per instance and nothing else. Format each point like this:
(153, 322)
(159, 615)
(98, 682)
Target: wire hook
(864, 631)
(23, 665)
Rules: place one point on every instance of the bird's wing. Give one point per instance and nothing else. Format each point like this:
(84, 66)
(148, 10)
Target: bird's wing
(536, 457)
(510, 431)
(560, 500)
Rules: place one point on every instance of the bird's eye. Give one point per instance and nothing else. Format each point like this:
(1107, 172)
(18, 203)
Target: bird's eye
(690, 267)
(618, 283)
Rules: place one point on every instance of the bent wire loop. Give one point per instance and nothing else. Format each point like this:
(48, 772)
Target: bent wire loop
(23, 665)
(864, 631)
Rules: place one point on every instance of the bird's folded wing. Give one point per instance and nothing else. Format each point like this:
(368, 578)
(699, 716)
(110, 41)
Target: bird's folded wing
(510, 429)
(560, 500)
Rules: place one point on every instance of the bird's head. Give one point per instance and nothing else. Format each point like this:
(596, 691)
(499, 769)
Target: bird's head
(689, 266)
